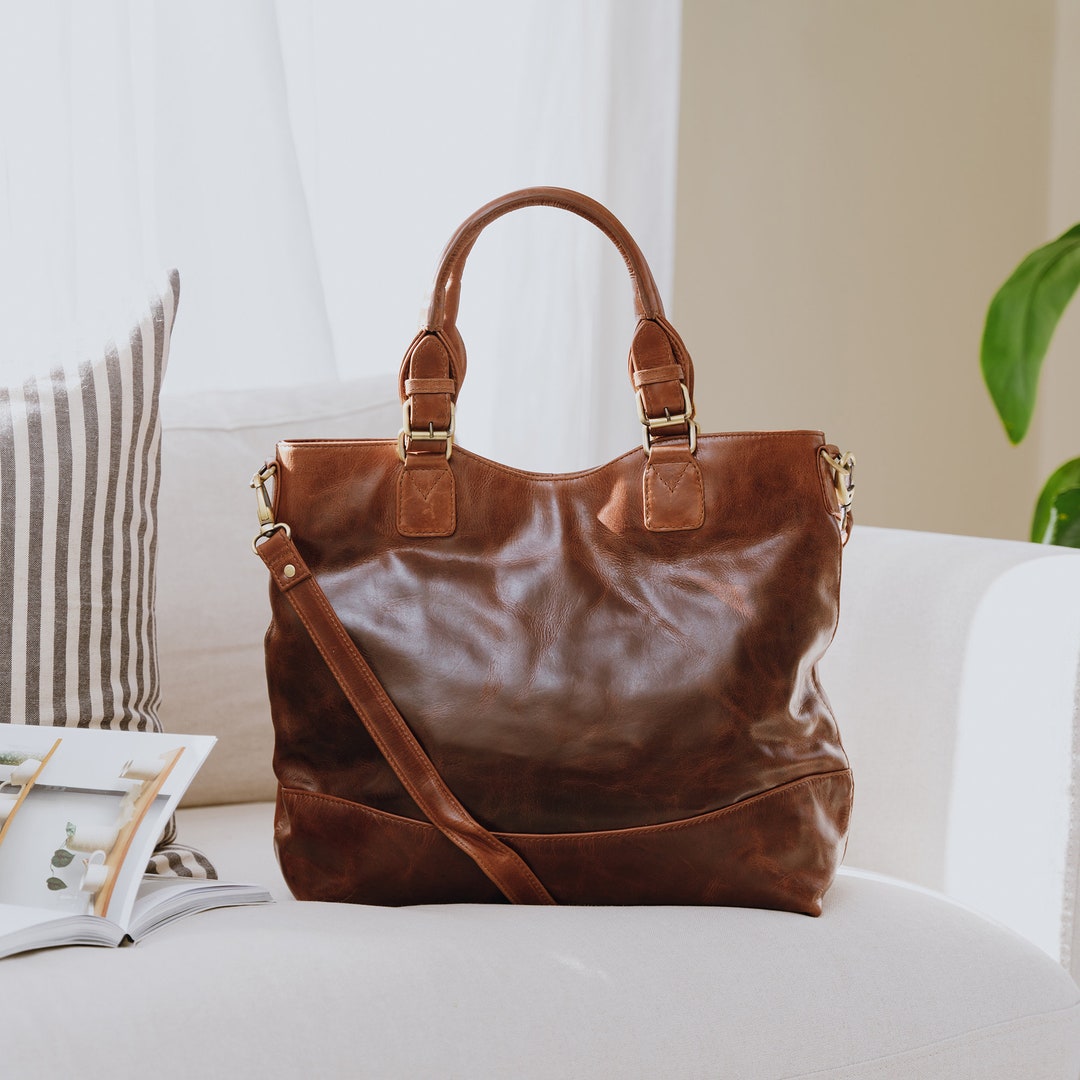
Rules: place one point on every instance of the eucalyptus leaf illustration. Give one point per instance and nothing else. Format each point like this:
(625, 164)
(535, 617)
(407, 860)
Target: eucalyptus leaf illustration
(61, 857)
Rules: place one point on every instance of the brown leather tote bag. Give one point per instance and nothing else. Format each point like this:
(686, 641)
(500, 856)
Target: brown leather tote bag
(594, 688)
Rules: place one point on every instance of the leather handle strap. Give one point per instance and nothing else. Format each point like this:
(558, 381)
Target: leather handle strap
(502, 865)
(443, 306)
(434, 367)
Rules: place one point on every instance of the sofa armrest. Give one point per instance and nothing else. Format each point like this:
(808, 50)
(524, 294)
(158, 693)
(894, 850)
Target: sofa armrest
(1012, 840)
(955, 677)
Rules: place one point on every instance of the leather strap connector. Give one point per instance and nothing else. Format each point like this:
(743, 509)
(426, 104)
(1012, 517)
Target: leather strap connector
(426, 497)
(673, 491)
(430, 386)
(666, 373)
(286, 566)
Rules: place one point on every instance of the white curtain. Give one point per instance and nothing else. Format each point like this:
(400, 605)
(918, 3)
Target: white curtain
(304, 162)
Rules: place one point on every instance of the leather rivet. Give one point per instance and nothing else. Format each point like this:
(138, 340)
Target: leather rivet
(289, 570)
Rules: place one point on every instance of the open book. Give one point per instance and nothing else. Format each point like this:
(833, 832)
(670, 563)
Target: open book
(80, 813)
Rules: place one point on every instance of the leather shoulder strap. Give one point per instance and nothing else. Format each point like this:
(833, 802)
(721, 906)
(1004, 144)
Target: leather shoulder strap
(502, 865)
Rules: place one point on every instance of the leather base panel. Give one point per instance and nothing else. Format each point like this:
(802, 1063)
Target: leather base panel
(777, 850)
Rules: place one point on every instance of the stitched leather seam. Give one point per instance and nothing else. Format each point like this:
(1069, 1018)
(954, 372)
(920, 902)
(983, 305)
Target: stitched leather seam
(437, 529)
(636, 452)
(752, 802)
(648, 498)
(665, 373)
(299, 445)
(663, 479)
(684, 526)
(413, 479)
(302, 444)
(429, 386)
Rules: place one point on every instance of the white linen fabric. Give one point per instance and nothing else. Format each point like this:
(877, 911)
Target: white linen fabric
(890, 983)
(305, 162)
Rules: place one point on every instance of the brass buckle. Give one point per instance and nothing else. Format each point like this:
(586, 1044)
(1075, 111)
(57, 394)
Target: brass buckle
(407, 433)
(669, 419)
(267, 524)
(843, 468)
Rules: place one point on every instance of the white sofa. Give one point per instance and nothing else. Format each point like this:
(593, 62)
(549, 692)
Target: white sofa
(955, 680)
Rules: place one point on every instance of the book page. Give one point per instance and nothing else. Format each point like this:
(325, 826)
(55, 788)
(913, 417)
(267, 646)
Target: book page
(23, 928)
(164, 900)
(81, 811)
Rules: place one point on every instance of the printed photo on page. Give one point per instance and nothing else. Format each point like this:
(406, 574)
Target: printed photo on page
(80, 813)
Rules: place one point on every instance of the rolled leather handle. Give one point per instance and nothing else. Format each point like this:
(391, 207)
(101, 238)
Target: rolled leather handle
(443, 307)
(661, 372)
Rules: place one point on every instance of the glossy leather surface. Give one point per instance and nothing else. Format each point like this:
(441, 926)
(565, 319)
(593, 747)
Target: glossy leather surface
(566, 669)
(778, 850)
(614, 671)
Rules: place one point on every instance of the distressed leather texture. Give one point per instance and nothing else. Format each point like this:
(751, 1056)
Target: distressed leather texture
(614, 671)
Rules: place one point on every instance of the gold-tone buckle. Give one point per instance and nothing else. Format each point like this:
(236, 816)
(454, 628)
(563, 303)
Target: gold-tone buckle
(843, 468)
(262, 496)
(407, 433)
(267, 524)
(669, 419)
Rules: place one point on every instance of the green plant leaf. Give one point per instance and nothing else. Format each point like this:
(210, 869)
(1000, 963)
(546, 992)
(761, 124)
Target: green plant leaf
(55, 884)
(70, 830)
(1064, 527)
(61, 857)
(1062, 479)
(1020, 323)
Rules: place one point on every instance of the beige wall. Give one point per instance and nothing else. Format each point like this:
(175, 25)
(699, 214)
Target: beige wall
(856, 178)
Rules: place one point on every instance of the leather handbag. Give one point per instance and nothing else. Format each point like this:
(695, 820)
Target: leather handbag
(595, 688)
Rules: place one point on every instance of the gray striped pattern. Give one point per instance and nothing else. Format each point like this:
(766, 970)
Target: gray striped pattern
(80, 456)
(178, 860)
(79, 474)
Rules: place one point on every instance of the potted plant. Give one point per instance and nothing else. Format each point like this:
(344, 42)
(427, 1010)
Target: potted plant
(1019, 325)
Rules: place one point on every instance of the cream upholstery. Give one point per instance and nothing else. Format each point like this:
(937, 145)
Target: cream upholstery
(891, 982)
(212, 606)
(954, 679)
(955, 676)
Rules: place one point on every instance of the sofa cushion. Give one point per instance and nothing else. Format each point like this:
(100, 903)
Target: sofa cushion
(79, 459)
(212, 591)
(80, 452)
(890, 982)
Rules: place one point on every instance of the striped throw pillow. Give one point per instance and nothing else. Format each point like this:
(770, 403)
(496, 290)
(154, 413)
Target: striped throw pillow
(80, 454)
